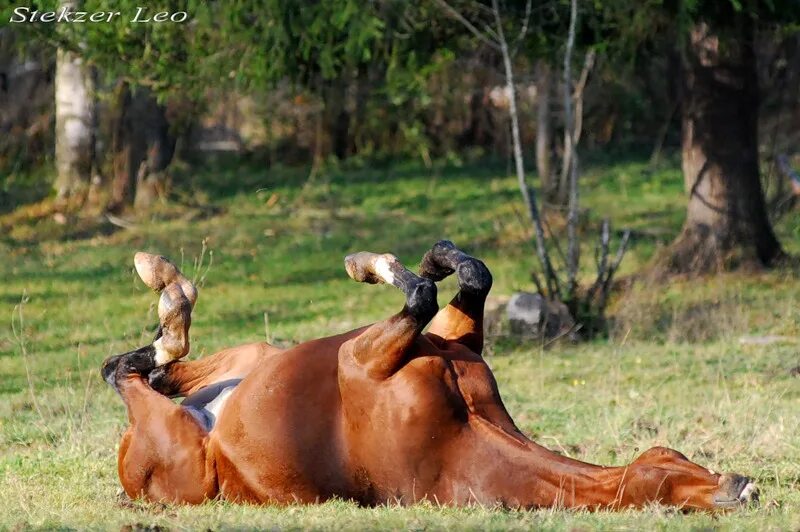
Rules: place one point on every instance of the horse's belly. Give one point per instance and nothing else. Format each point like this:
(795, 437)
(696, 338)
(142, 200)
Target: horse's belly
(279, 437)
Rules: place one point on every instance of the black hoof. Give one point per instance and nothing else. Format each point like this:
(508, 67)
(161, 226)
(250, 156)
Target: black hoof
(474, 276)
(159, 380)
(445, 259)
(109, 369)
(435, 264)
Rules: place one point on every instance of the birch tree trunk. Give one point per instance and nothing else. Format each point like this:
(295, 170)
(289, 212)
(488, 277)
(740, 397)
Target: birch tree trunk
(75, 122)
(571, 165)
(543, 129)
(528, 194)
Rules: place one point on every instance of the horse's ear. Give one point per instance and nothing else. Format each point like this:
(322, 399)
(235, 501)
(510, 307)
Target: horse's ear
(158, 272)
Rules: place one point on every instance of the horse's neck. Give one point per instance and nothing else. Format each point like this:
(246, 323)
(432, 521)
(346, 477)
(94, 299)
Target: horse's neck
(514, 471)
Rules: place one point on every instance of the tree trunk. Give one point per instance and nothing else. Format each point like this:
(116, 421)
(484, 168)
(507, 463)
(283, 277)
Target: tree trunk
(726, 223)
(142, 148)
(160, 148)
(543, 129)
(571, 164)
(123, 158)
(528, 193)
(336, 117)
(75, 123)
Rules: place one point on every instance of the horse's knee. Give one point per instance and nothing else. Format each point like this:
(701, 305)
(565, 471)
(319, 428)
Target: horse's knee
(660, 454)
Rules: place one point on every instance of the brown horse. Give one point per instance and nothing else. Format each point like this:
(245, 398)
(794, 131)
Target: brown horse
(382, 413)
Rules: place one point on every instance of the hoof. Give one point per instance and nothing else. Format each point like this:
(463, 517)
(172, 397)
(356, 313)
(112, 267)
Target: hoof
(445, 258)
(735, 491)
(158, 272)
(421, 300)
(139, 361)
(372, 268)
(432, 265)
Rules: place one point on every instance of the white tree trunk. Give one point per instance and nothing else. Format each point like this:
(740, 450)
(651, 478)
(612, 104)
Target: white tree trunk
(528, 194)
(543, 138)
(571, 162)
(75, 122)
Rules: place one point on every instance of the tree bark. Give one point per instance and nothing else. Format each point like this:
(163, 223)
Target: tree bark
(75, 123)
(543, 127)
(726, 224)
(336, 116)
(142, 148)
(160, 149)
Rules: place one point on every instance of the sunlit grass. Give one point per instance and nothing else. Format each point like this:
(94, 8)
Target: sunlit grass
(673, 373)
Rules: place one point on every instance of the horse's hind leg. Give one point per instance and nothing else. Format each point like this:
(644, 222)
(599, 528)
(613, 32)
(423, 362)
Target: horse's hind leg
(381, 348)
(162, 456)
(462, 319)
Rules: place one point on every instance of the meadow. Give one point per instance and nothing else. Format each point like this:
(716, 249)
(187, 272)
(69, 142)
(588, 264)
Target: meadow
(266, 246)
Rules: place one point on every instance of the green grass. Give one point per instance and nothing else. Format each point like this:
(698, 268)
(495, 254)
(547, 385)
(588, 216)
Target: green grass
(673, 372)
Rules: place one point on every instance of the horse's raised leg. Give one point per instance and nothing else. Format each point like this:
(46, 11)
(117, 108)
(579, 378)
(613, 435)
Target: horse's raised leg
(462, 319)
(175, 304)
(162, 455)
(381, 348)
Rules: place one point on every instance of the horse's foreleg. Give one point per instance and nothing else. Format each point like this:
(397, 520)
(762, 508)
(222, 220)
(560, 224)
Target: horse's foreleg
(382, 347)
(183, 378)
(462, 320)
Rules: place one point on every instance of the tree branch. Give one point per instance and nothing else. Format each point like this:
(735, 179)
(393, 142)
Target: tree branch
(467, 24)
(573, 248)
(528, 194)
(524, 30)
(588, 64)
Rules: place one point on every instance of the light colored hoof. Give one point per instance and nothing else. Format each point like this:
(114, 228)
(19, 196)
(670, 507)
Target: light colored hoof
(372, 268)
(158, 272)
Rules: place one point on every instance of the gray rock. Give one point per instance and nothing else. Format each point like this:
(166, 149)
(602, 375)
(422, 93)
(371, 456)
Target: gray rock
(533, 316)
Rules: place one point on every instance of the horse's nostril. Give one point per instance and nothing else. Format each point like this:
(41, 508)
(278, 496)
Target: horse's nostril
(750, 493)
(109, 367)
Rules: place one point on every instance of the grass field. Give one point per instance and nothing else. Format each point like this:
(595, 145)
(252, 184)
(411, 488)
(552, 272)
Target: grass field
(673, 372)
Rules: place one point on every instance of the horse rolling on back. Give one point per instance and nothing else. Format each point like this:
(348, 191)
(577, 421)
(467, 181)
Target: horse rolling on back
(384, 412)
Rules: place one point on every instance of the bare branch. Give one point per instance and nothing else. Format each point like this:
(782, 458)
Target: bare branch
(602, 260)
(623, 247)
(528, 194)
(573, 248)
(467, 24)
(524, 30)
(588, 64)
(554, 239)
